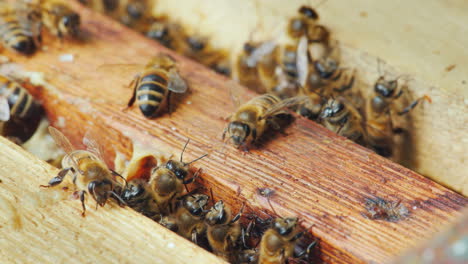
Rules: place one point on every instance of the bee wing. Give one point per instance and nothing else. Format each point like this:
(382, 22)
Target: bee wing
(234, 92)
(92, 145)
(61, 140)
(4, 109)
(302, 63)
(176, 83)
(286, 103)
(264, 49)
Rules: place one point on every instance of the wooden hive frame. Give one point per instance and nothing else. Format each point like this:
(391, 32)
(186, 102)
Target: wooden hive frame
(322, 178)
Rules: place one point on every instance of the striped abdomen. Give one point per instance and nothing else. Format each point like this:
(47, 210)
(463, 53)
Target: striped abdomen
(22, 104)
(152, 91)
(266, 101)
(16, 36)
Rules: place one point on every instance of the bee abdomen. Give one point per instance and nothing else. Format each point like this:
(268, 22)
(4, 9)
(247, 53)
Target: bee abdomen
(151, 92)
(14, 36)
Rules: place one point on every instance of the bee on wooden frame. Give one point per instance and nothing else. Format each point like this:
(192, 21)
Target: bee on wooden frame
(90, 174)
(223, 231)
(153, 85)
(169, 34)
(59, 19)
(20, 32)
(279, 241)
(190, 215)
(156, 195)
(20, 113)
(379, 110)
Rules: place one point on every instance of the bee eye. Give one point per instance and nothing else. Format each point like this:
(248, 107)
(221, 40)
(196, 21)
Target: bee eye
(338, 108)
(170, 165)
(181, 174)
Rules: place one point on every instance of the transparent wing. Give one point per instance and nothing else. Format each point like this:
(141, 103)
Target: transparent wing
(61, 140)
(176, 83)
(302, 63)
(92, 145)
(264, 49)
(234, 92)
(286, 103)
(4, 109)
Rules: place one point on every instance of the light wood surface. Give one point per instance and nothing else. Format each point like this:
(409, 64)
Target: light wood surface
(40, 225)
(425, 40)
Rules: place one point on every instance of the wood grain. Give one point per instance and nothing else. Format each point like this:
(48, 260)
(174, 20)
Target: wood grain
(40, 225)
(322, 178)
(419, 39)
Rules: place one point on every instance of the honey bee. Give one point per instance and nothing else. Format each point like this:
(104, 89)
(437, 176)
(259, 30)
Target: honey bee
(326, 79)
(306, 24)
(169, 34)
(15, 101)
(19, 32)
(278, 242)
(342, 118)
(20, 113)
(200, 50)
(58, 18)
(189, 216)
(153, 86)
(90, 174)
(223, 230)
(379, 124)
(252, 119)
(155, 196)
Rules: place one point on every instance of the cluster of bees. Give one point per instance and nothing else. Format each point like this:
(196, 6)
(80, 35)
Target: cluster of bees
(160, 192)
(304, 76)
(307, 69)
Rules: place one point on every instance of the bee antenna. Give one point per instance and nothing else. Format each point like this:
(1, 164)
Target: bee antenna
(183, 150)
(199, 158)
(272, 208)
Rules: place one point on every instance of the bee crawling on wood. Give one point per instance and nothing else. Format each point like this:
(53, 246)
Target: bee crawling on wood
(90, 174)
(152, 88)
(381, 209)
(59, 19)
(254, 117)
(18, 30)
(190, 215)
(279, 241)
(156, 195)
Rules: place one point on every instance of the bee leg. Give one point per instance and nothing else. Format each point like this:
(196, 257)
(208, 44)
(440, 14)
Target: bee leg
(306, 252)
(82, 194)
(194, 237)
(297, 236)
(414, 104)
(133, 83)
(57, 179)
(118, 198)
(168, 102)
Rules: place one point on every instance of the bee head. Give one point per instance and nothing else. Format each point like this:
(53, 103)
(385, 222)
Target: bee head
(70, 24)
(159, 31)
(100, 191)
(195, 203)
(385, 88)
(285, 226)
(308, 12)
(217, 214)
(239, 132)
(180, 169)
(332, 108)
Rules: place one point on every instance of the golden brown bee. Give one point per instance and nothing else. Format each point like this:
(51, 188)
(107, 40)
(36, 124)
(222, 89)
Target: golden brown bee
(15, 101)
(90, 174)
(223, 230)
(325, 79)
(59, 18)
(167, 33)
(306, 24)
(379, 124)
(153, 86)
(251, 119)
(189, 216)
(156, 196)
(18, 31)
(342, 118)
(278, 242)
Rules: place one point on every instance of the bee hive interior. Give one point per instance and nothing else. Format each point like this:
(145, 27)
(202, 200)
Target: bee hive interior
(318, 176)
